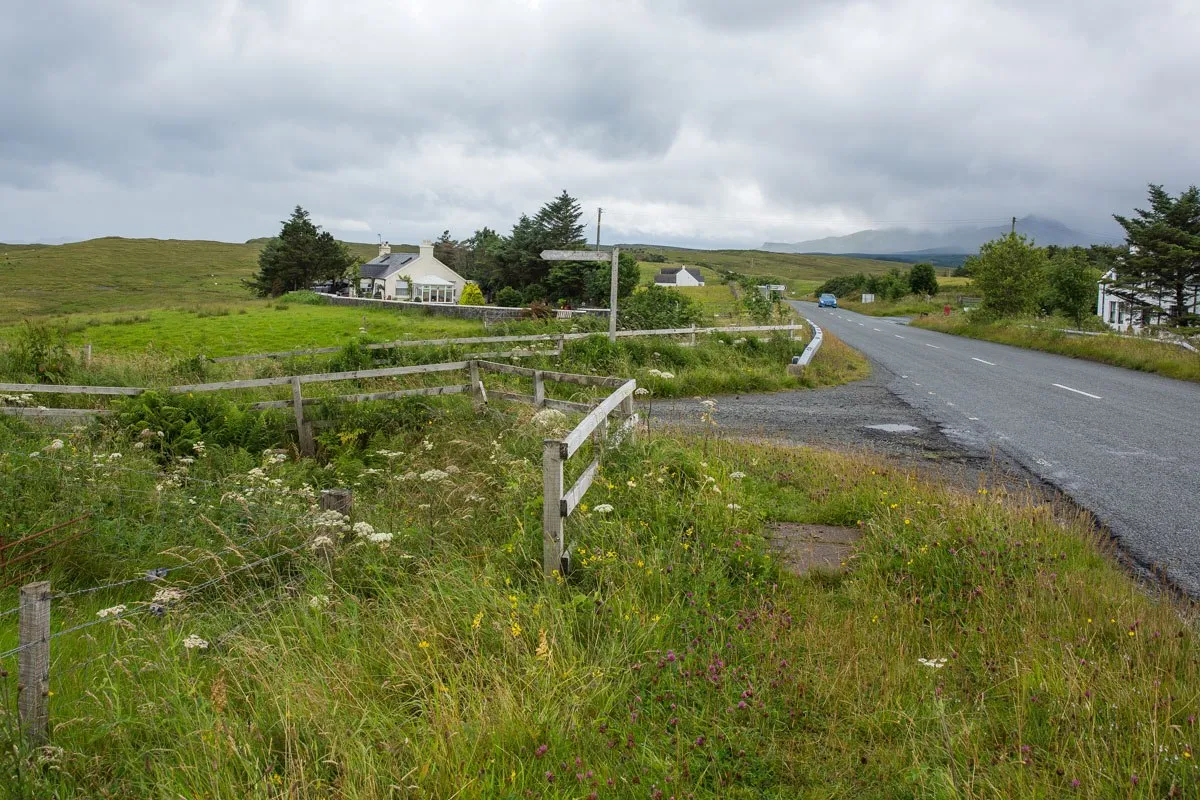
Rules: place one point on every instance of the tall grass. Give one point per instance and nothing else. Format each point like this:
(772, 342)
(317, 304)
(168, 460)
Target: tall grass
(677, 658)
(1147, 355)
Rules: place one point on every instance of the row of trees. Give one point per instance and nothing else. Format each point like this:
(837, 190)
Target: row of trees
(920, 279)
(1161, 257)
(510, 268)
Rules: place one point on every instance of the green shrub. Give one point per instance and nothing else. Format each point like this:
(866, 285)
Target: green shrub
(305, 298)
(655, 307)
(472, 295)
(39, 353)
(172, 424)
(510, 297)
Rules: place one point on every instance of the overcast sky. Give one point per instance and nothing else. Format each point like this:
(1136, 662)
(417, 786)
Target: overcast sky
(707, 122)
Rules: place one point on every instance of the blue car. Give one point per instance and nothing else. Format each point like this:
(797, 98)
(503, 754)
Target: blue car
(826, 301)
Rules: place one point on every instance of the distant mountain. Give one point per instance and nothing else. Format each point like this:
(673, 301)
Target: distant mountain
(906, 242)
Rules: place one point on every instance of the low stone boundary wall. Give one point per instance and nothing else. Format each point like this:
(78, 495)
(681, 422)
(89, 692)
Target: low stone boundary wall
(486, 313)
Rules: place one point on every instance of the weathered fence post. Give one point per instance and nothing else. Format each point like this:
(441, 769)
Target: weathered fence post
(339, 500)
(33, 670)
(539, 389)
(87, 354)
(554, 453)
(692, 336)
(476, 394)
(302, 430)
(561, 341)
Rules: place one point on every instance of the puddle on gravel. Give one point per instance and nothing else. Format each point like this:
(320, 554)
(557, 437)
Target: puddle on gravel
(893, 428)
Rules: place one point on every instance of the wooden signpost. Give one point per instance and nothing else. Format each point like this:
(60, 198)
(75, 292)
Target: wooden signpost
(595, 255)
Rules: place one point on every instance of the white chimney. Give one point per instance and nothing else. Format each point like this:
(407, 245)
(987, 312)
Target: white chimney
(426, 249)
(385, 249)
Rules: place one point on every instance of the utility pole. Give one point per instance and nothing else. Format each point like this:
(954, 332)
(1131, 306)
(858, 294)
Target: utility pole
(599, 211)
(1014, 225)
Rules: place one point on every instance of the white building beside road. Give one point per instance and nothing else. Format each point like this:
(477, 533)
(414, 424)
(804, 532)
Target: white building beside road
(409, 276)
(1131, 308)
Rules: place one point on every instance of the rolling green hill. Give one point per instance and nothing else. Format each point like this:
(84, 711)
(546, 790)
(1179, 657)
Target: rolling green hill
(790, 267)
(115, 274)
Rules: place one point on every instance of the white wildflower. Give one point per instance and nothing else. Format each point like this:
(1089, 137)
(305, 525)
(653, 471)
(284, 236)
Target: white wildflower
(165, 596)
(408, 476)
(423, 507)
(318, 601)
(57, 444)
(319, 542)
(199, 448)
(603, 508)
(666, 375)
(139, 445)
(433, 476)
(363, 529)
(734, 507)
(452, 470)
(709, 404)
(115, 611)
(932, 663)
(186, 460)
(380, 537)
(641, 391)
(194, 642)
(113, 456)
(737, 476)
(550, 419)
(428, 445)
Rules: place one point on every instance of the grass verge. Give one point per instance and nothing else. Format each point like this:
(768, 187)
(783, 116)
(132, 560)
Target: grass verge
(1146, 356)
(678, 658)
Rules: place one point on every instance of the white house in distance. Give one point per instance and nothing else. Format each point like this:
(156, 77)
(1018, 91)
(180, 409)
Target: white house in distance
(410, 276)
(679, 276)
(1124, 308)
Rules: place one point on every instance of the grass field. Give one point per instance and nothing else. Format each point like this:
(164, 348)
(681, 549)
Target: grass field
(115, 274)
(791, 268)
(252, 326)
(1144, 355)
(949, 290)
(978, 644)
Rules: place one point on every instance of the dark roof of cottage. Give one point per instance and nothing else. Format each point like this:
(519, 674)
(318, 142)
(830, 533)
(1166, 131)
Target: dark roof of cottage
(671, 274)
(382, 266)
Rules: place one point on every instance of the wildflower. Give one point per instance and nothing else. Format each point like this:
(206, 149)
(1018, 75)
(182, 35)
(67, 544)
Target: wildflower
(363, 529)
(932, 663)
(139, 445)
(543, 649)
(194, 642)
(320, 542)
(115, 611)
(380, 537)
(433, 476)
(199, 448)
(452, 470)
(318, 601)
(631, 483)
(709, 404)
(428, 445)
(603, 508)
(424, 645)
(550, 419)
(641, 391)
(515, 630)
(57, 444)
(166, 596)
(475, 623)
(734, 507)
(541, 751)
(737, 476)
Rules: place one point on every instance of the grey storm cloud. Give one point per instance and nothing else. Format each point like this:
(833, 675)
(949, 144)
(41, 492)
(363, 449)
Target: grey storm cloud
(702, 121)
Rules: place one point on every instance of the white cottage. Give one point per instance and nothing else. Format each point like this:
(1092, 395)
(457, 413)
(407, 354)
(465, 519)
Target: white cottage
(679, 276)
(410, 276)
(1126, 308)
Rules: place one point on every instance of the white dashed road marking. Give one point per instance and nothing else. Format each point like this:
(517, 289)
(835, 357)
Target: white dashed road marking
(981, 361)
(974, 419)
(1076, 391)
(898, 336)
(934, 346)
(877, 330)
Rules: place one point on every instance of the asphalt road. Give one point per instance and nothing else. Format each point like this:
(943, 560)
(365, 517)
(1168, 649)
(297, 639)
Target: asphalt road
(1123, 444)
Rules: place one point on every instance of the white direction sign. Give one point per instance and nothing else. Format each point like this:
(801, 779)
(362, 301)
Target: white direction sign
(576, 255)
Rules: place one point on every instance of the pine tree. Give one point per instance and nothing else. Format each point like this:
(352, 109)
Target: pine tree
(561, 220)
(1164, 249)
(300, 256)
